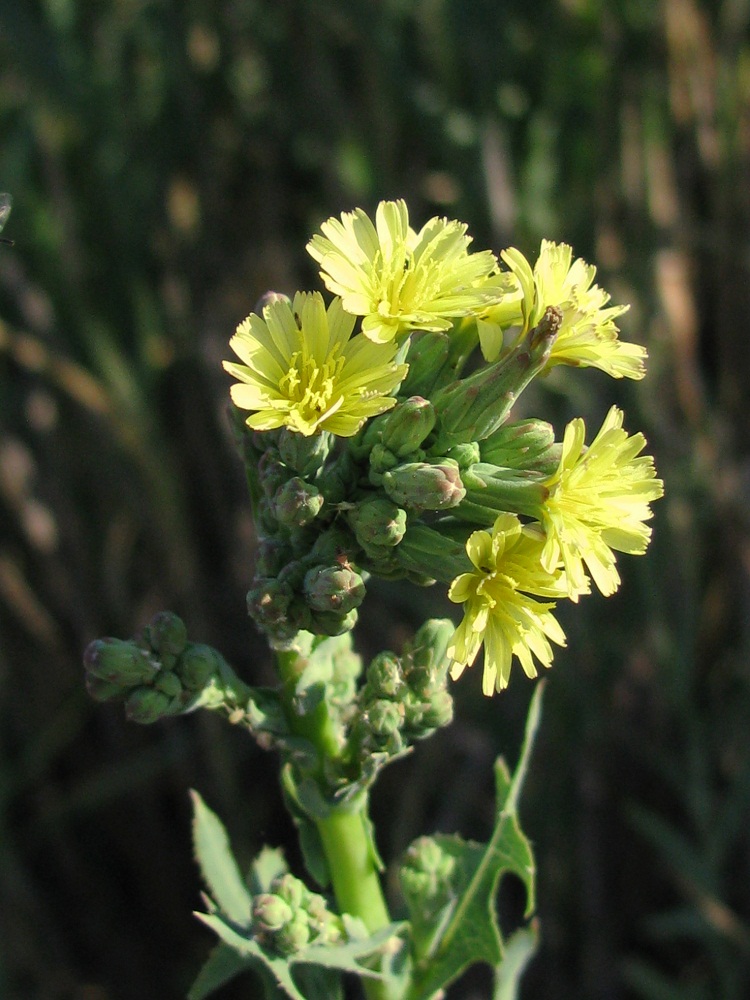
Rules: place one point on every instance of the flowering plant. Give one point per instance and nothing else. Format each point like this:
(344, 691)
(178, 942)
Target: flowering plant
(380, 453)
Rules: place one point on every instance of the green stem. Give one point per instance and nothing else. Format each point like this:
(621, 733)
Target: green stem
(354, 871)
(344, 832)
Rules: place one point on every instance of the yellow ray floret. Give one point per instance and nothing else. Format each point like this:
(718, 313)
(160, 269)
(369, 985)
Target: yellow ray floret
(302, 369)
(399, 279)
(498, 609)
(598, 502)
(588, 336)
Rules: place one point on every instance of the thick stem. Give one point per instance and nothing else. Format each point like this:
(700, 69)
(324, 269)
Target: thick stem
(354, 871)
(344, 831)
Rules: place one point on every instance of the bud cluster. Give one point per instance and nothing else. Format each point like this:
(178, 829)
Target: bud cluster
(426, 876)
(289, 917)
(404, 698)
(159, 673)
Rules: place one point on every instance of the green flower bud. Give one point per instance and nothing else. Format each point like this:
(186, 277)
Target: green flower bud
(119, 662)
(528, 445)
(337, 588)
(326, 927)
(428, 361)
(425, 856)
(332, 623)
(490, 491)
(306, 455)
(377, 522)
(408, 425)
(297, 503)
(473, 408)
(429, 646)
(464, 455)
(385, 717)
(295, 935)
(270, 913)
(197, 665)
(169, 684)
(268, 602)
(292, 889)
(381, 460)
(433, 553)
(272, 473)
(146, 705)
(439, 710)
(384, 676)
(425, 485)
(166, 634)
(102, 690)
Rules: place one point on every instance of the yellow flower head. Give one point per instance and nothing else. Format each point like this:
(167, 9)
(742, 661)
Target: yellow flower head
(398, 279)
(303, 370)
(498, 610)
(588, 336)
(598, 501)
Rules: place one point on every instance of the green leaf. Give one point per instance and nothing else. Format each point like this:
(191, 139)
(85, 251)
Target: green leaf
(217, 864)
(307, 831)
(269, 864)
(464, 929)
(347, 957)
(223, 964)
(519, 950)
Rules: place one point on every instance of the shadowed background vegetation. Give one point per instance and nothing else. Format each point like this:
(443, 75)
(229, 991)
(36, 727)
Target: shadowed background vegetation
(168, 160)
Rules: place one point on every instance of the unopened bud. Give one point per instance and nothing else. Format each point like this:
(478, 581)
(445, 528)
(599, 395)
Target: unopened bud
(268, 602)
(432, 553)
(168, 683)
(439, 711)
(197, 665)
(270, 913)
(408, 425)
(428, 356)
(464, 455)
(333, 588)
(119, 662)
(272, 473)
(528, 445)
(146, 705)
(384, 675)
(491, 490)
(377, 522)
(297, 503)
(382, 460)
(306, 455)
(385, 717)
(166, 634)
(428, 650)
(295, 935)
(425, 485)
(332, 622)
(102, 690)
(473, 408)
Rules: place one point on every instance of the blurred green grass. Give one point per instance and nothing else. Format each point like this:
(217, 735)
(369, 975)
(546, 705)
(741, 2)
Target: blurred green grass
(167, 162)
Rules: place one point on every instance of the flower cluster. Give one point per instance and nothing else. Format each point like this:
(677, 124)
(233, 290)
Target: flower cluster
(369, 451)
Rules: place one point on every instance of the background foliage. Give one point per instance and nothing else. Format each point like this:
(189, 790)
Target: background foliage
(167, 161)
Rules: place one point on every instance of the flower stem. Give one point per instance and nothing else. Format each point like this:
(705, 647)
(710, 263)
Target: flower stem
(344, 831)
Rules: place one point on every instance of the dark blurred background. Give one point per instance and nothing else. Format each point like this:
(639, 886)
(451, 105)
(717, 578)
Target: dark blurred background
(168, 161)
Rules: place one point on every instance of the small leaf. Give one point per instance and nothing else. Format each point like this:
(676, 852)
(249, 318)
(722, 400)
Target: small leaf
(464, 929)
(217, 864)
(519, 950)
(249, 948)
(223, 964)
(346, 957)
(269, 864)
